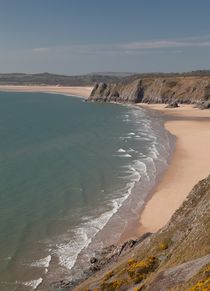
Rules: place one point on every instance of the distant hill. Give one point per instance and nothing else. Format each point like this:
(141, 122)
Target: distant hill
(87, 79)
(62, 80)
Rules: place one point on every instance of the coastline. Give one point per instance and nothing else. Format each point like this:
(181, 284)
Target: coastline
(189, 164)
(191, 127)
(76, 91)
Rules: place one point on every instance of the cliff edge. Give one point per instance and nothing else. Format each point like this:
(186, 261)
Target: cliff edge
(189, 89)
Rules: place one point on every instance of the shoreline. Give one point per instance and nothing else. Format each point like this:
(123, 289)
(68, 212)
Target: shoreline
(189, 163)
(176, 120)
(77, 91)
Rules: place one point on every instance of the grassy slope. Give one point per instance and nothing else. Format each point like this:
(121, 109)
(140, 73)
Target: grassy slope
(175, 258)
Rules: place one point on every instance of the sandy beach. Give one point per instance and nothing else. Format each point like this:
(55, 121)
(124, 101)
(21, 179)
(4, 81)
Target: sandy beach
(75, 91)
(190, 163)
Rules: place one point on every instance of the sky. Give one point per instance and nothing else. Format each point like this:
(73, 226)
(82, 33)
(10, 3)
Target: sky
(84, 36)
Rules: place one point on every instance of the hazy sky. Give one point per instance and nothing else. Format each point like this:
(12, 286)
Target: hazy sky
(82, 36)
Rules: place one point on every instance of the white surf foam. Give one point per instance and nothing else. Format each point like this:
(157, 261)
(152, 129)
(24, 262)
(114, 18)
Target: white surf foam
(144, 168)
(121, 151)
(33, 283)
(83, 235)
(135, 175)
(42, 263)
(124, 156)
(131, 150)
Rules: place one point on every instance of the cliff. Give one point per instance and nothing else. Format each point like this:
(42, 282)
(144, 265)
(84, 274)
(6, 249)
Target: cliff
(188, 89)
(175, 258)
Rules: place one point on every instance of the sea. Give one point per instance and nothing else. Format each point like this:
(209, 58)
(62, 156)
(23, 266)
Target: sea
(74, 175)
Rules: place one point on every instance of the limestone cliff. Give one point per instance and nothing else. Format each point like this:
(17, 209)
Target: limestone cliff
(175, 258)
(154, 90)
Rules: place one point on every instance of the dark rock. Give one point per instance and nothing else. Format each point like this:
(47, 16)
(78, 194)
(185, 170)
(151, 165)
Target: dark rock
(115, 94)
(173, 104)
(93, 260)
(113, 252)
(203, 105)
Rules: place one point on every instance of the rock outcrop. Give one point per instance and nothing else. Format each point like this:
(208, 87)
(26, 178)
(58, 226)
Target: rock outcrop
(204, 105)
(173, 104)
(112, 253)
(154, 90)
(131, 92)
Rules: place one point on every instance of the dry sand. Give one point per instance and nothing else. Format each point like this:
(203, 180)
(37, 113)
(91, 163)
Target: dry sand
(190, 163)
(75, 91)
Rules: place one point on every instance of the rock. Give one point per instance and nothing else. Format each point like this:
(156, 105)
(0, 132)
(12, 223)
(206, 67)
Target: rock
(115, 94)
(93, 260)
(173, 104)
(113, 252)
(178, 274)
(204, 105)
(132, 92)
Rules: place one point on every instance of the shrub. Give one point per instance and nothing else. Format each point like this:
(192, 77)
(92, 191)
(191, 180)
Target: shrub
(131, 261)
(203, 285)
(138, 278)
(112, 286)
(142, 267)
(163, 246)
(108, 275)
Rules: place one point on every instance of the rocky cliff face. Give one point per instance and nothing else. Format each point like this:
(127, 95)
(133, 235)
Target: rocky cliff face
(154, 90)
(175, 258)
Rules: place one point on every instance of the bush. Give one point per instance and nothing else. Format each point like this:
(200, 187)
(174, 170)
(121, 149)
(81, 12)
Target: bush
(112, 286)
(142, 267)
(108, 275)
(203, 285)
(163, 246)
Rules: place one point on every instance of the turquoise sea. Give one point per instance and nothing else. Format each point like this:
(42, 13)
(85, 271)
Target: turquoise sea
(71, 172)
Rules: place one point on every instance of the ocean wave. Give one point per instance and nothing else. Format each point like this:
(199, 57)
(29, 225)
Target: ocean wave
(131, 150)
(121, 150)
(83, 235)
(143, 170)
(133, 176)
(42, 263)
(124, 156)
